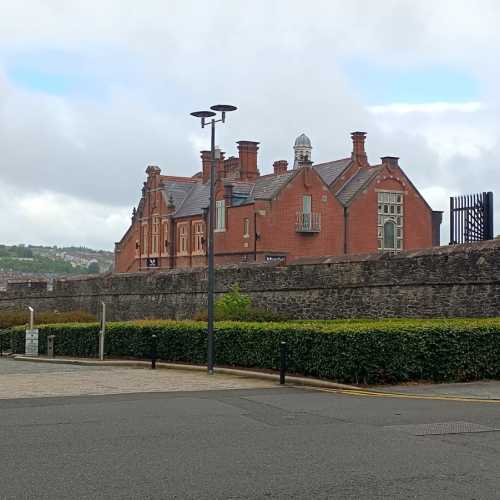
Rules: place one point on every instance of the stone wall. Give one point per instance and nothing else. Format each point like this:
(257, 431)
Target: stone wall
(461, 281)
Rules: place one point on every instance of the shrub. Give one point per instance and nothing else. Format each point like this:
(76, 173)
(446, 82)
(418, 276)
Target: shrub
(365, 351)
(234, 306)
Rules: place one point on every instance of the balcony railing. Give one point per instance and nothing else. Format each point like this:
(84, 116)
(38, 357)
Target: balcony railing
(308, 222)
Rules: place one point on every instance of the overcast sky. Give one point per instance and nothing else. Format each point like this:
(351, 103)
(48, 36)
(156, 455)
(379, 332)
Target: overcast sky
(92, 92)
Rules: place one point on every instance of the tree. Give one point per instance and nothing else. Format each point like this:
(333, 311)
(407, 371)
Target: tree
(93, 268)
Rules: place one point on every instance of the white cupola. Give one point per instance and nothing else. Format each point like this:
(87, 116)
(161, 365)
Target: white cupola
(302, 150)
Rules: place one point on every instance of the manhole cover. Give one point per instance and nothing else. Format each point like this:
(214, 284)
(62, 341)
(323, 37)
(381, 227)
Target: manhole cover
(441, 428)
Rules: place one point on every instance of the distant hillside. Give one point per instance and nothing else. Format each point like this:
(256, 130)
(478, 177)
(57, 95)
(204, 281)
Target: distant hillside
(29, 261)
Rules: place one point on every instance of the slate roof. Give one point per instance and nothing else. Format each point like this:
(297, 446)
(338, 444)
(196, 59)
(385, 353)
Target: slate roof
(329, 171)
(178, 190)
(268, 186)
(196, 199)
(356, 183)
(190, 197)
(241, 192)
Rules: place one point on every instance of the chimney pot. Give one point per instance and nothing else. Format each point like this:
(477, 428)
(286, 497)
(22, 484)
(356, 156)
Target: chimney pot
(280, 167)
(390, 161)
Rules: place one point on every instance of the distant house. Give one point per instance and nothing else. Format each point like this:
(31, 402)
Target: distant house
(337, 207)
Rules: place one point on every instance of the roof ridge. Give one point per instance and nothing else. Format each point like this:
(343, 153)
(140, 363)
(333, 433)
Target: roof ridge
(332, 161)
(179, 178)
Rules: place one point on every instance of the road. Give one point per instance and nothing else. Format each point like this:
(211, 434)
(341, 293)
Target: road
(246, 444)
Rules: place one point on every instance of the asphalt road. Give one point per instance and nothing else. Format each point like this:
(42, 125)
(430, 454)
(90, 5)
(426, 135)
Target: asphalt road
(242, 444)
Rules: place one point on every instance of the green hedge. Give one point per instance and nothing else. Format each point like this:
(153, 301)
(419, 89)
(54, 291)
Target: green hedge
(366, 352)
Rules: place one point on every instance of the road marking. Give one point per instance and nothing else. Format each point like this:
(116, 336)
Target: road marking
(402, 395)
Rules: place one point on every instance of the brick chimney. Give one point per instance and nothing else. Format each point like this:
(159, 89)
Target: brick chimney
(390, 161)
(280, 167)
(228, 194)
(358, 148)
(219, 163)
(232, 167)
(247, 151)
(205, 163)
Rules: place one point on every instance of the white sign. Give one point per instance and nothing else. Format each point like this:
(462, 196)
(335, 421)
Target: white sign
(31, 348)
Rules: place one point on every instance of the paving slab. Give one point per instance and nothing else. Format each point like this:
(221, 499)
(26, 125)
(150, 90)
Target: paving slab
(33, 380)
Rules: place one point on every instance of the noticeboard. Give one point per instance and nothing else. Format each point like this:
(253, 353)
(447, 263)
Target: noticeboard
(31, 346)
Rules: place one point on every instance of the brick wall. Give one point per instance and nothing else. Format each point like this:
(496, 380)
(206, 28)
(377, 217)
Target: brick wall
(461, 281)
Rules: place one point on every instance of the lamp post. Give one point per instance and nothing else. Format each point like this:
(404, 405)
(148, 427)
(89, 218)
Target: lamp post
(204, 115)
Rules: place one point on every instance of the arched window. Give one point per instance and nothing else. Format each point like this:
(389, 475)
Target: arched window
(389, 235)
(390, 221)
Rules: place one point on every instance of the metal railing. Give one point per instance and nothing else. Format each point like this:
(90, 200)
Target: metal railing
(308, 222)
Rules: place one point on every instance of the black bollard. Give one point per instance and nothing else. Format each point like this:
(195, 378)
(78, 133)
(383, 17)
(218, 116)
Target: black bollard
(283, 353)
(154, 351)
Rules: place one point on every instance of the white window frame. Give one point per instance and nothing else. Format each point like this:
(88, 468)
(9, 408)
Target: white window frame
(246, 227)
(390, 208)
(198, 235)
(220, 215)
(183, 237)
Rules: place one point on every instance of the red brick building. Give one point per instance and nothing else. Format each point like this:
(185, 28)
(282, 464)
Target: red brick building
(339, 207)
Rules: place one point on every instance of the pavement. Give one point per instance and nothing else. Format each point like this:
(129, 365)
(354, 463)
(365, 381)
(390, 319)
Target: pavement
(32, 379)
(483, 389)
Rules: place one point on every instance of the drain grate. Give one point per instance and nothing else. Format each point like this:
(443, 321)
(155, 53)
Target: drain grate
(441, 428)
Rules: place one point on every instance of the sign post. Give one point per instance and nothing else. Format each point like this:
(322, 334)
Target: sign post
(102, 331)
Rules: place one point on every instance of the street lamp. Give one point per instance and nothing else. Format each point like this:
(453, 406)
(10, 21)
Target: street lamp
(204, 115)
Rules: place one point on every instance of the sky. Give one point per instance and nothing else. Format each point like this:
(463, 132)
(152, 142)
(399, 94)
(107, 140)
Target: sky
(93, 92)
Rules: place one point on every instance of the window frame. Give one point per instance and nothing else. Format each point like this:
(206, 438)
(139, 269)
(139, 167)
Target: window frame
(198, 237)
(220, 216)
(246, 227)
(390, 209)
(183, 232)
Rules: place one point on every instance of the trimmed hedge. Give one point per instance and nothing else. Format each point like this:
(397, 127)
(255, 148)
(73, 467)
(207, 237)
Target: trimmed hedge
(358, 351)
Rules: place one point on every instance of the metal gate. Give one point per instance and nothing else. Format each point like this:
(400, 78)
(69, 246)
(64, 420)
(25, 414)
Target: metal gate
(471, 218)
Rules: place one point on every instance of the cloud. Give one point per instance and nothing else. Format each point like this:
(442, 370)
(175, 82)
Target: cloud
(426, 107)
(47, 218)
(136, 73)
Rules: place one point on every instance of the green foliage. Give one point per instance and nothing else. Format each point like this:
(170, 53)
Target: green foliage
(15, 318)
(358, 351)
(232, 305)
(40, 264)
(235, 306)
(93, 268)
(19, 251)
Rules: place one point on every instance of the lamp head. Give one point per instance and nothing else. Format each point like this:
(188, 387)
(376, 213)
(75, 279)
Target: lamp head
(203, 114)
(223, 108)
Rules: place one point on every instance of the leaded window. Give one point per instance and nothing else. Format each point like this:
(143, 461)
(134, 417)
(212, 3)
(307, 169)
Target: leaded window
(183, 236)
(198, 237)
(390, 221)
